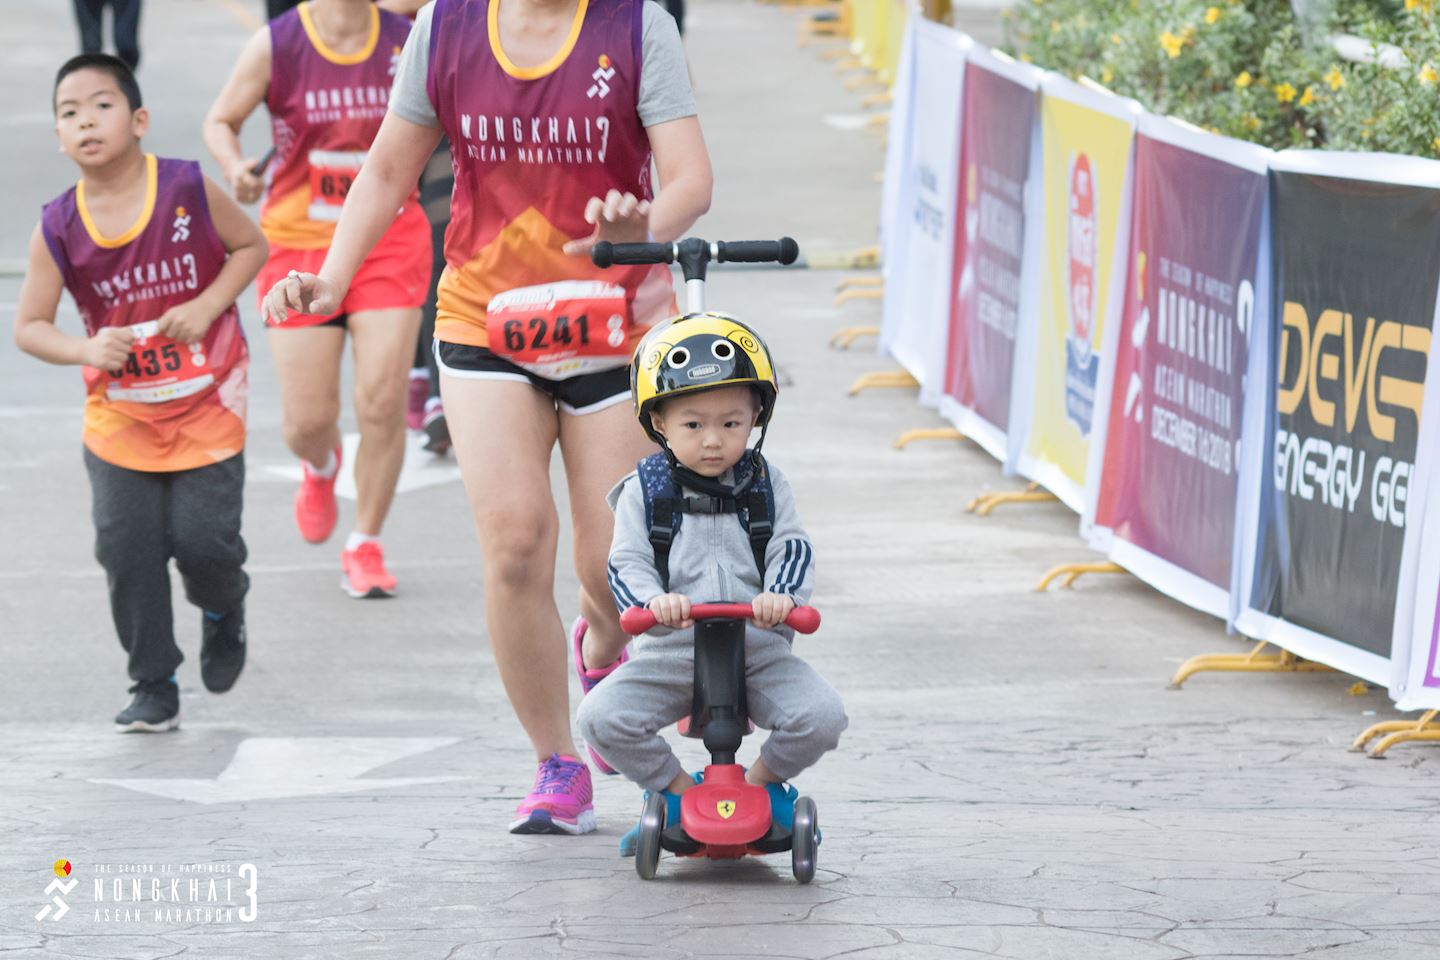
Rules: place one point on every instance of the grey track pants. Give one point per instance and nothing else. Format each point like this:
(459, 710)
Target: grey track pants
(144, 519)
(623, 716)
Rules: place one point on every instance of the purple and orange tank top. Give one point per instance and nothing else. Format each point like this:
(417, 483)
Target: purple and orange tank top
(172, 406)
(530, 145)
(325, 109)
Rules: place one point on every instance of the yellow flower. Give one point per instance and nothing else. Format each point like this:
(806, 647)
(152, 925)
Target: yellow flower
(1106, 74)
(1308, 97)
(1424, 6)
(1115, 39)
(1427, 75)
(1187, 34)
(1244, 80)
(1212, 14)
(1335, 78)
(1251, 122)
(1172, 44)
(1285, 92)
(1436, 144)
(1054, 26)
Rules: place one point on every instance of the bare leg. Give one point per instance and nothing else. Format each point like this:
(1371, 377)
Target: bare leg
(307, 364)
(599, 448)
(759, 774)
(382, 341)
(503, 432)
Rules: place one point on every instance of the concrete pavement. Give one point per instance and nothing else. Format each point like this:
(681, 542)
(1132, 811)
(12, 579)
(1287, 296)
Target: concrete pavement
(1017, 781)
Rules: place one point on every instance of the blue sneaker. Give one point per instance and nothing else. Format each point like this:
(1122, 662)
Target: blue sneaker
(782, 804)
(631, 838)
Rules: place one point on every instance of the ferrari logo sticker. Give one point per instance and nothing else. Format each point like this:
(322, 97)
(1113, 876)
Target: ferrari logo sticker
(726, 809)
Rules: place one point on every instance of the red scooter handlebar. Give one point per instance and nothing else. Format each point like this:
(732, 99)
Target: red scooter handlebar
(637, 620)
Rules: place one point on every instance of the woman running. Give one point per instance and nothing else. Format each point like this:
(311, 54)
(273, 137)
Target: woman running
(324, 70)
(554, 110)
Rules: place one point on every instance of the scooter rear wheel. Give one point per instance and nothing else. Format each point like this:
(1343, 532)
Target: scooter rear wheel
(805, 840)
(647, 847)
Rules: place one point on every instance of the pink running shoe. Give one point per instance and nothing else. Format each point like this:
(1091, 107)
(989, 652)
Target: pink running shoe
(560, 801)
(363, 573)
(315, 509)
(588, 679)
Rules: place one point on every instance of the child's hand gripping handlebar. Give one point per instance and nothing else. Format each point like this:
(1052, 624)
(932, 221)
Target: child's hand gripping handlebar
(638, 620)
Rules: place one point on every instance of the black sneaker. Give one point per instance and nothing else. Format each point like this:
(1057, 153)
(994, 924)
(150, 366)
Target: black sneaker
(222, 649)
(154, 709)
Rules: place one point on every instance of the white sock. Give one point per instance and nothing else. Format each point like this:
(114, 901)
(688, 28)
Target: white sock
(419, 373)
(431, 404)
(332, 464)
(357, 538)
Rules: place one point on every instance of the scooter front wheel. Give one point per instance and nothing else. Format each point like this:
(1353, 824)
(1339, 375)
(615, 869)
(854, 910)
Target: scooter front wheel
(804, 840)
(647, 847)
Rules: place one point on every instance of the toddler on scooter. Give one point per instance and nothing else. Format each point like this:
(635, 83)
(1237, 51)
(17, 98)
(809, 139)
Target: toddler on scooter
(710, 520)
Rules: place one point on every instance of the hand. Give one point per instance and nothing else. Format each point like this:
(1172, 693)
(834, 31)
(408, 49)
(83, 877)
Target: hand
(771, 609)
(186, 322)
(301, 293)
(672, 610)
(108, 349)
(241, 176)
(619, 218)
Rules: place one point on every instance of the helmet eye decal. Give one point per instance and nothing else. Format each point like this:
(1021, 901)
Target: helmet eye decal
(678, 358)
(722, 350)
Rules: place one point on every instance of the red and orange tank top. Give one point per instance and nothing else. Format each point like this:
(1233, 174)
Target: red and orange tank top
(325, 109)
(530, 146)
(172, 406)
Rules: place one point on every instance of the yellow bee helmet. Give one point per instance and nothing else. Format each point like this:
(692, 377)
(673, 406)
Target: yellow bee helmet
(700, 351)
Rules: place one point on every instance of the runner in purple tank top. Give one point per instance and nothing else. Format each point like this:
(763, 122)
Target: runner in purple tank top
(153, 255)
(555, 110)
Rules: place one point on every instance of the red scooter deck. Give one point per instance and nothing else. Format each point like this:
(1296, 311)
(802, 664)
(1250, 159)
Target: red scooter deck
(725, 811)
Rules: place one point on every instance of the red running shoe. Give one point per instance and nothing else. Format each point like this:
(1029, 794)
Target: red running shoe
(315, 509)
(415, 400)
(365, 576)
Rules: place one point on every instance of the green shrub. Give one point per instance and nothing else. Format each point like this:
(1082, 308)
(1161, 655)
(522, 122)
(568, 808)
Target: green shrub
(1243, 68)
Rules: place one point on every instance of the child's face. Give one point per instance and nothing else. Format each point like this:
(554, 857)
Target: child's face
(708, 431)
(94, 120)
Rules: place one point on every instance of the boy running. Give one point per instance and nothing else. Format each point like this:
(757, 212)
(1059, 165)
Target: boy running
(154, 255)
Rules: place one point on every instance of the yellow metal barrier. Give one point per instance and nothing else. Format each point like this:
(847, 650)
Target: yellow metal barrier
(985, 502)
(1074, 571)
(1398, 731)
(927, 433)
(1252, 662)
(885, 378)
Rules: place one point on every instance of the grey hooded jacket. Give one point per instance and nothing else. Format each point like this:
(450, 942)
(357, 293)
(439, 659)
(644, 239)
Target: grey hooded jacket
(710, 557)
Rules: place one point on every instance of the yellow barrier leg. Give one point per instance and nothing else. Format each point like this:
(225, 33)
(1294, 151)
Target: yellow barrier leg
(985, 502)
(929, 433)
(836, 54)
(859, 293)
(1074, 571)
(885, 378)
(1399, 731)
(848, 64)
(882, 99)
(1252, 662)
(871, 280)
(843, 338)
(866, 79)
(878, 119)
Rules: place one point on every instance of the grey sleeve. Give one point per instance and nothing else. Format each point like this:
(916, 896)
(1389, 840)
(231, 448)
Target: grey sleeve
(634, 581)
(665, 92)
(790, 558)
(409, 97)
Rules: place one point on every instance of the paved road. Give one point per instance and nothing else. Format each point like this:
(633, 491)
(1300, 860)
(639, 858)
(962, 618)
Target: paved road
(1017, 781)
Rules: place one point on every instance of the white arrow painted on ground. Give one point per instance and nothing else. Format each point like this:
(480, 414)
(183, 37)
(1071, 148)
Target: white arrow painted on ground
(422, 469)
(269, 768)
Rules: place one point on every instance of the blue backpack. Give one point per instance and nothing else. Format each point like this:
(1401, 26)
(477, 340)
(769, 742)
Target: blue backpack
(753, 504)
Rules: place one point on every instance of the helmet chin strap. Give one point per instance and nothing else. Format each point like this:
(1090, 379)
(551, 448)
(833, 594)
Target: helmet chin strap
(711, 486)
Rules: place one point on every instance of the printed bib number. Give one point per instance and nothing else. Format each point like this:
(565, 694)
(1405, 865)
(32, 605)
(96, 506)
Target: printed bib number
(159, 369)
(561, 330)
(332, 174)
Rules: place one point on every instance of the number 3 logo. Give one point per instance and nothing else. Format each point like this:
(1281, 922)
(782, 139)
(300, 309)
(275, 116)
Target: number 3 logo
(254, 878)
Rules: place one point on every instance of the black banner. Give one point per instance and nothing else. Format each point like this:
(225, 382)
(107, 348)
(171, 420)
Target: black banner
(1355, 270)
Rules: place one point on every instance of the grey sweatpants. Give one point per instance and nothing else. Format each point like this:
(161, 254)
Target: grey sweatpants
(142, 521)
(623, 716)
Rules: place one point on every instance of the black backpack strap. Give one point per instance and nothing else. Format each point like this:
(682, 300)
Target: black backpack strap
(759, 517)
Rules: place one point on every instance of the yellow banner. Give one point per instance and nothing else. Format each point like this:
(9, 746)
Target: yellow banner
(1086, 154)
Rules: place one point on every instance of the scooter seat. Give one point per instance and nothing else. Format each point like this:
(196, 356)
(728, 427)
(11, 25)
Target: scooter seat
(725, 810)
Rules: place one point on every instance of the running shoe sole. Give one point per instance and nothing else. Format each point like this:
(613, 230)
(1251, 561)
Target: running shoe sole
(541, 821)
(437, 436)
(140, 726)
(374, 593)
